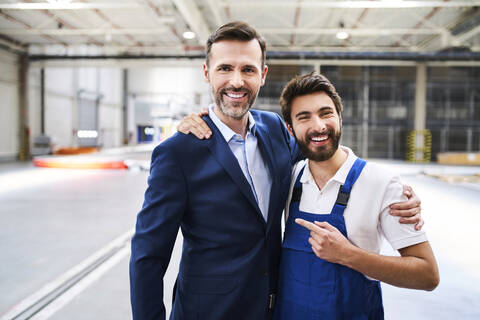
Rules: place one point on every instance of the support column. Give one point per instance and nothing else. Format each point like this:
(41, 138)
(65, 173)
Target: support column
(365, 114)
(420, 139)
(24, 131)
(42, 101)
(125, 138)
(75, 106)
(420, 97)
(471, 116)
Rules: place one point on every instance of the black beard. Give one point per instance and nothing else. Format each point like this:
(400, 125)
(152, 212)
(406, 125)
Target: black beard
(322, 153)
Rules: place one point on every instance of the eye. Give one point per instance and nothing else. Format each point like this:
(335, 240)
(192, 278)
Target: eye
(326, 113)
(303, 117)
(249, 70)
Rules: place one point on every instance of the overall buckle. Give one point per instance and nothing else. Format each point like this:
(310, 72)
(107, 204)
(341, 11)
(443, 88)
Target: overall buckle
(342, 197)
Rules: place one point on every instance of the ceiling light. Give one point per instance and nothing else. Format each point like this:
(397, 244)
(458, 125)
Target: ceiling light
(59, 1)
(342, 35)
(189, 35)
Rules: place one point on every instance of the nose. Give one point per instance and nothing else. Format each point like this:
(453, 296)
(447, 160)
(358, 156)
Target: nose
(237, 79)
(319, 124)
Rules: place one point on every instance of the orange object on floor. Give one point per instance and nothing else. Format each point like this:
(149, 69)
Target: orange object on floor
(77, 150)
(65, 164)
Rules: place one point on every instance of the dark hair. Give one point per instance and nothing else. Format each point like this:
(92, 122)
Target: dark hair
(304, 85)
(236, 30)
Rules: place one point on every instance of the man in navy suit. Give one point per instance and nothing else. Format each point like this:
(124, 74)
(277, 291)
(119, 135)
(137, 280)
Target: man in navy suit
(225, 193)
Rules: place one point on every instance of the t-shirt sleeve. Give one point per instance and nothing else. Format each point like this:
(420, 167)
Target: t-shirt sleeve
(397, 234)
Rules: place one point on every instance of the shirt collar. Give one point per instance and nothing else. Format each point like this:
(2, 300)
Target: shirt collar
(341, 174)
(225, 130)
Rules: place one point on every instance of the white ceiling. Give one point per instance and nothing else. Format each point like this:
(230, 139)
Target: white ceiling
(155, 27)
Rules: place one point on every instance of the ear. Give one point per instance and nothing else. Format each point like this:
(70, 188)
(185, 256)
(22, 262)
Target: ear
(205, 73)
(264, 74)
(290, 129)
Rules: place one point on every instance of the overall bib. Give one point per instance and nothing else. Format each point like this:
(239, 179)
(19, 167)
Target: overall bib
(312, 288)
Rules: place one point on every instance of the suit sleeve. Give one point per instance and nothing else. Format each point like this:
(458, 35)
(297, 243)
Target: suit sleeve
(295, 153)
(156, 230)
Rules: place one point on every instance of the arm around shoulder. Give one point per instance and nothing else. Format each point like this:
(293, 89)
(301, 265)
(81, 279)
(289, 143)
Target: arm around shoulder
(295, 153)
(156, 230)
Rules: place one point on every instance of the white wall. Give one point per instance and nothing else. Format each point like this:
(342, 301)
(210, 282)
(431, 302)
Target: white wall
(9, 108)
(160, 83)
(110, 112)
(172, 79)
(182, 88)
(61, 103)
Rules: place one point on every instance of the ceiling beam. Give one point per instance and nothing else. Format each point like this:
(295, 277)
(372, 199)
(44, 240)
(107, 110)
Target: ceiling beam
(64, 23)
(193, 18)
(81, 32)
(468, 26)
(276, 31)
(398, 4)
(213, 5)
(296, 18)
(351, 31)
(27, 26)
(68, 6)
(286, 48)
(460, 39)
(12, 44)
(160, 16)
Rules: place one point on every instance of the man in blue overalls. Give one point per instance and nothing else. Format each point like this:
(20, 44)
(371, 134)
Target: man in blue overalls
(337, 214)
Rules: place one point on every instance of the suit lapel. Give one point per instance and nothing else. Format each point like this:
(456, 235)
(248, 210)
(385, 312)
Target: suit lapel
(225, 157)
(267, 150)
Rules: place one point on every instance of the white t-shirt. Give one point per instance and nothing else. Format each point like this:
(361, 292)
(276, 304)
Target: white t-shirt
(366, 215)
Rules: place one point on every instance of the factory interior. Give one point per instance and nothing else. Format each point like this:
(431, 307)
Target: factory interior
(89, 88)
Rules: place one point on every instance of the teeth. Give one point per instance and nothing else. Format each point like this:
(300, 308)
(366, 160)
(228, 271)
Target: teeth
(318, 139)
(235, 95)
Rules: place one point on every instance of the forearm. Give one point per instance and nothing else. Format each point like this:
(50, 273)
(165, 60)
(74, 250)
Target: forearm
(146, 289)
(407, 271)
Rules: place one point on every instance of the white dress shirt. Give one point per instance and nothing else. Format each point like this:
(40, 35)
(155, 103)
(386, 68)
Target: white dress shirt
(249, 158)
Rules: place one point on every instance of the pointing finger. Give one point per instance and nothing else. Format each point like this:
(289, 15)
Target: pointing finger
(310, 226)
(325, 225)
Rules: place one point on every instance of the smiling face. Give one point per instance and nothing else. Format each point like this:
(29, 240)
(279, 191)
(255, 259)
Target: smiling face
(235, 74)
(316, 125)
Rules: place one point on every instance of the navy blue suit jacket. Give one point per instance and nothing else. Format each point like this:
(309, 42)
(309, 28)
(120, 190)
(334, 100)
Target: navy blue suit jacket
(230, 255)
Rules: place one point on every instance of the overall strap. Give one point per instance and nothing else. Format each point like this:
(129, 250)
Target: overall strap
(345, 189)
(297, 188)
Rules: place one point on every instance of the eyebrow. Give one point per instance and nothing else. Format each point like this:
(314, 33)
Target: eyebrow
(250, 66)
(224, 65)
(231, 65)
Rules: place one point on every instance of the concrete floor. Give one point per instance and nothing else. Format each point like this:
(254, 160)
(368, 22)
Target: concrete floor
(52, 220)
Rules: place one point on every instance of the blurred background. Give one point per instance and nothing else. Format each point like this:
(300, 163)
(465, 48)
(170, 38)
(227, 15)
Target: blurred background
(88, 88)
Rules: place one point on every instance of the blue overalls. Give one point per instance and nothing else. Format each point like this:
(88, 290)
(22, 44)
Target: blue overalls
(312, 288)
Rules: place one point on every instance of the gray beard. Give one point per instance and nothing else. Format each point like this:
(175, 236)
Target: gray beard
(226, 110)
